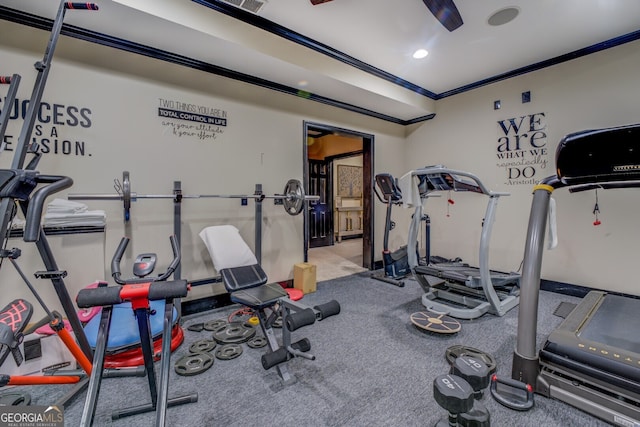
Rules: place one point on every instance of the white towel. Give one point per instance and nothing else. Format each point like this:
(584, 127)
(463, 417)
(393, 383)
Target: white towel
(18, 223)
(88, 218)
(552, 240)
(66, 206)
(410, 191)
(67, 213)
(226, 247)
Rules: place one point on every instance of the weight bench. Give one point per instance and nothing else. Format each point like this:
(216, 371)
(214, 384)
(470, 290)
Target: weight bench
(246, 282)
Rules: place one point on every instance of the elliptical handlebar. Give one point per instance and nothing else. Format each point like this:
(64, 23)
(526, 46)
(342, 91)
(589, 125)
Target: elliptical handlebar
(36, 202)
(115, 261)
(176, 258)
(117, 257)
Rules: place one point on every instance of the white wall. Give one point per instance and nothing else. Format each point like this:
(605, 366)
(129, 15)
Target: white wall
(600, 90)
(259, 145)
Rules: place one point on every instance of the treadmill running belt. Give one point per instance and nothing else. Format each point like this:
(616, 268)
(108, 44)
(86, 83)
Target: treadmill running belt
(615, 323)
(455, 272)
(464, 274)
(599, 335)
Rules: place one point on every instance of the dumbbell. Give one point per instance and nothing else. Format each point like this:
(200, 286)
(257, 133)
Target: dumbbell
(478, 375)
(454, 394)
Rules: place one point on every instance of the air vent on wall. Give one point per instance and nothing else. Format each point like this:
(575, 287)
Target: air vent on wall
(253, 6)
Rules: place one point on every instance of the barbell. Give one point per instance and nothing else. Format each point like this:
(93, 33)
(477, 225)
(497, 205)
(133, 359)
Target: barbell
(293, 197)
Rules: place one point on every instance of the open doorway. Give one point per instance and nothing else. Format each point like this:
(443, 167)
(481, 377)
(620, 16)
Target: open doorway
(338, 167)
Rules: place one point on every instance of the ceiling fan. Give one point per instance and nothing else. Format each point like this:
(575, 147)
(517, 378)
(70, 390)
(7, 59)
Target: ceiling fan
(445, 11)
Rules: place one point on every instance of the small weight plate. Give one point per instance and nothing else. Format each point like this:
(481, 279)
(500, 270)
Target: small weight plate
(435, 322)
(212, 325)
(228, 351)
(234, 333)
(194, 364)
(257, 342)
(202, 346)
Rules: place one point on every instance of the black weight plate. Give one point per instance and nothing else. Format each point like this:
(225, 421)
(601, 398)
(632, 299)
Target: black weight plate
(277, 323)
(202, 346)
(212, 325)
(194, 364)
(228, 351)
(257, 342)
(456, 351)
(234, 333)
(196, 327)
(15, 399)
(435, 322)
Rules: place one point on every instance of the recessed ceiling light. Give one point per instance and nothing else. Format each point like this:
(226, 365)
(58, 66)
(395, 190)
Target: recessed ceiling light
(503, 16)
(420, 53)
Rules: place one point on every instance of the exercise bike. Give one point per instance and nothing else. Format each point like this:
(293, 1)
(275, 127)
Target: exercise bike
(138, 294)
(396, 264)
(124, 347)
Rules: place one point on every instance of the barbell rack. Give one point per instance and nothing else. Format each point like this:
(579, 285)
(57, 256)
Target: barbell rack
(293, 199)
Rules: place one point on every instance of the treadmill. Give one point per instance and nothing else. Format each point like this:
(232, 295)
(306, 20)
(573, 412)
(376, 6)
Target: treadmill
(592, 361)
(457, 289)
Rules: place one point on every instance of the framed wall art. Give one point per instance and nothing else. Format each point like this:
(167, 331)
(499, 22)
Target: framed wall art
(349, 181)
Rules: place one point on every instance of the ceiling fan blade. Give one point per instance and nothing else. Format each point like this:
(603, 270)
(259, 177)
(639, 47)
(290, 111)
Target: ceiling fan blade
(446, 12)
(315, 2)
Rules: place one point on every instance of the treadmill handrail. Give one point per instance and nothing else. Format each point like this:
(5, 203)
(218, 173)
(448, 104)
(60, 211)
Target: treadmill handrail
(485, 237)
(489, 217)
(437, 170)
(532, 263)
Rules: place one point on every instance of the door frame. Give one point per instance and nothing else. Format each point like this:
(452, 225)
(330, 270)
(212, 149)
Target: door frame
(367, 187)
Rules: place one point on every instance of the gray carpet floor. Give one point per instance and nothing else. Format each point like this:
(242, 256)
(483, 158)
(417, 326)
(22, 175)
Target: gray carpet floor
(372, 368)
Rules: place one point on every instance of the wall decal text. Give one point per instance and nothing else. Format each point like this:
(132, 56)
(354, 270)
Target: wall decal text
(185, 120)
(522, 150)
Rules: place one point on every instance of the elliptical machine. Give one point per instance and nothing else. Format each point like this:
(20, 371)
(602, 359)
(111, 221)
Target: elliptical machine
(396, 264)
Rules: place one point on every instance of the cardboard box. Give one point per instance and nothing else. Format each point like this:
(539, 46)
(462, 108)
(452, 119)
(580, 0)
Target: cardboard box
(40, 352)
(304, 277)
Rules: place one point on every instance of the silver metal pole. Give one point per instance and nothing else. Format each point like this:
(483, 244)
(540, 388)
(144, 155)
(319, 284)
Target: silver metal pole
(485, 238)
(530, 281)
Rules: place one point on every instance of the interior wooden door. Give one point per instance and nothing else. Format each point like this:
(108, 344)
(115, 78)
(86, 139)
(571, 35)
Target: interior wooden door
(320, 211)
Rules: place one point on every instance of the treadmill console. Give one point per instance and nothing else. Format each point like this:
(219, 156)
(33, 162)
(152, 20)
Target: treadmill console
(439, 182)
(600, 155)
(444, 181)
